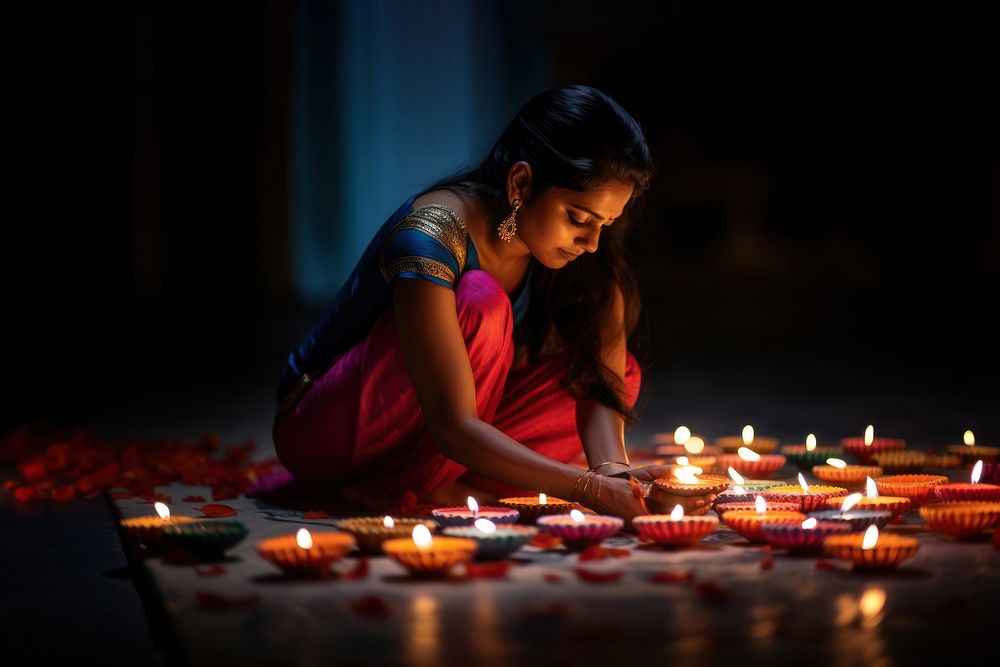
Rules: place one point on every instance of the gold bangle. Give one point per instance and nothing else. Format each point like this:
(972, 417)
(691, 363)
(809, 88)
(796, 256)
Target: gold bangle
(607, 463)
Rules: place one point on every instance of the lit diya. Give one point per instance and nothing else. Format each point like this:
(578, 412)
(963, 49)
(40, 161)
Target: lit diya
(970, 451)
(742, 491)
(529, 508)
(989, 493)
(148, 530)
(838, 472)
(806, 536)
(494, 541)
(706, 463)
(424, 555)
(748, 462)
(206, 539)
(809, 454)
(674, 529)
(685, 481)
(899, 460)
(960, 519)
(873, 501)
(869, 445)
(760, 444)
(808, 497)
(870, 550)
(856, 519)
(578, 530)
(722, 508)
(306, 554)
(748, 523)
(918, 488)
(466, 516)
(371, 531)
(682, 443)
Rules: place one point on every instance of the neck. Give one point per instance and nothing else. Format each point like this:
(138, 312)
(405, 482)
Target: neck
(494, 254)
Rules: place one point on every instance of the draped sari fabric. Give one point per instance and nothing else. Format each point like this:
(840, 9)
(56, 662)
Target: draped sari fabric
(360, 427)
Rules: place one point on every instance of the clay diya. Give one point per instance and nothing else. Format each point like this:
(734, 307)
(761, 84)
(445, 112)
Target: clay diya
(687, 483)
(960, 519)
(808, 497)
(682, 443)
(869, 445)
(306, 554)
(722, 508)
(494, 541)
(873, 502)
(206, 539)
(857, 520)
(426, 556)
(851, 477)
(148, 530)
(971, 452)
(466, 516)
(943, 462)
(989, 493)
(809, 454)
(748, 462)
(371, 531)
(871, 551)
(918, 488)
(900, 460)
(674, 529)
(760, 444)
(749, 523)
(529, 508)
(578, 530)
(803, 537)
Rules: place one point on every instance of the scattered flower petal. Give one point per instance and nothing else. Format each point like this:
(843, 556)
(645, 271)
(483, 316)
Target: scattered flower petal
(359, 571)
(216, 511)
(494, 570)
(594, 577)
(672, 577)
(545, 541)
(597, 552)
(766, 563)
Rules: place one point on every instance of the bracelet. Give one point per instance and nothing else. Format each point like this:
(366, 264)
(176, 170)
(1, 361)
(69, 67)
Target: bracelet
(606, 463)
(572, 494)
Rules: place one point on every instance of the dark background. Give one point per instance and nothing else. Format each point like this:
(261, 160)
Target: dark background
(824, 222)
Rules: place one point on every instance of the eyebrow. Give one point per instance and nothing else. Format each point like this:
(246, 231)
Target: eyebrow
(594, 213)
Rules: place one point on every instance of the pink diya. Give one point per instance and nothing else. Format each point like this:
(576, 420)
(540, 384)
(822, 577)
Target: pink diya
(869, 445)
(466, 516)
(760, 444)
(896, 505)
(918, 488)
(148, 530)
(960, 519)
(805, 536)
(722, 508)
(970, 451)
(808, 497)
(749, 523)
(871, 551)
(674, 529)
(839, 473)
(426, 556)
(305, 553)
(989, 493)
(579, 530)
(748, 462)
(529, 508)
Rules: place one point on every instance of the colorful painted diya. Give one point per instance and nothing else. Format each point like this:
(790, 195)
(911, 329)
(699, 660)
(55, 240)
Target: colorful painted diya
(871, 551)
(806, 458)
(529, 508)
(849, 476)
(960, 519)
(760, 444)
(759, 465)
(900, 460)
(494, 542)
(856, 519)
(974, 491)
(305, 553)
(579, 530)
(895, 505)
(426, 556)
(664, 491)
(973, 453)
(801, 537)
(464, 516)
(206, 539)
(918, 488)
(371, 531)
(147, 531)
(808, 500)
(865, 452)
(748, 523)
(722, 508)
(674, 529)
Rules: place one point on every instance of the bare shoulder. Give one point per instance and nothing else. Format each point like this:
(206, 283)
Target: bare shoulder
(444, 198)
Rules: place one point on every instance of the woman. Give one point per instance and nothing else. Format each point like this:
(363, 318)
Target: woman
(480, 343)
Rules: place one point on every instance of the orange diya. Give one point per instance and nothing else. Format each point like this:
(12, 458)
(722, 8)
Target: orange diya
(674, 529)
(870, 550)
(970, 451)
(426, 556)
(760, 444)
(872, 500)
(869, 445)
(901, 460)
(808, 497)
(748, 523)
(851, 477)
(148, 530)
(989, 493)
(529, 508)
(918, 488)
(685, 481)
(748, 462)
(306, 554)
(960, 519)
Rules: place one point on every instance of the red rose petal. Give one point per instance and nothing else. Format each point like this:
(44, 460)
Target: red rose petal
(552, 578)
(766, 563)
(27, 494)
(216, 511)
(597, 552)
(224, 493)
(9, 484)
(211, 571)
(672, 577)
(64, 493)
(553, 609)
(714, 591)
(33, 468)
(370, 605)
(359, 571)
(593, 577)
(193, 499)
(316, 514)
(496, 570)
(545, 541)
(217, 602)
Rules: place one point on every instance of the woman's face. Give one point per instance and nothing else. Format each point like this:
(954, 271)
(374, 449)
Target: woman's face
(559, 225)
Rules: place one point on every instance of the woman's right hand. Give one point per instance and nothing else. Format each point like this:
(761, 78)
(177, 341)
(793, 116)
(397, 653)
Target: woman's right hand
(612, 495)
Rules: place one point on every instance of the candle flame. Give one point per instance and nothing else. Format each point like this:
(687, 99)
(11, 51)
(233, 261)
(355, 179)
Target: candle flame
(677, 514)
(810, 442)
(760, 504)
(683, 461)
(977, 471)
(576, 515)
(871, 603)
(837, 463)
(748, 454)
(850, 501)
(486, 526)
(687, 474)
(969, 438)
(871, 490)
(422, 536)
(162, 510)
(695, 445)
(802, 483)
(869, 435)
(735, 476)
(739, 489)
(304, 539)
(473, 505)
(747, 435)
(388, 522)
(809, 524)
(682, 435)
(543, 499)
(871, 538)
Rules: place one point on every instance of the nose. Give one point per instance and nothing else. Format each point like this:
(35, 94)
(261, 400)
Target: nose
(588, 240)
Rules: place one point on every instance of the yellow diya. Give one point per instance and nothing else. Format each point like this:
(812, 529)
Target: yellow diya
(529, 508)
(960, 519)
(870, 550)
(851, 477)
(148, 530)
(808, 497)
(306, 553)
(371, 531)
(426, 556)
(918, 488)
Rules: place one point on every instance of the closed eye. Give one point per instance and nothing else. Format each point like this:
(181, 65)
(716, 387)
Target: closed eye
(576, 223)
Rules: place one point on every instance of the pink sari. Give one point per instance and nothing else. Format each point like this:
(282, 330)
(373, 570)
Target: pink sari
(360, 425)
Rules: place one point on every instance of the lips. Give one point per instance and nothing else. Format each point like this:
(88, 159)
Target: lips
(569, 255)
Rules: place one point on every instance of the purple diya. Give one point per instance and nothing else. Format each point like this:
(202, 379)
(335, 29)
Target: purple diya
(857, 520)
(463, 516)
(805, 536)
(579, 530)
(722, 508)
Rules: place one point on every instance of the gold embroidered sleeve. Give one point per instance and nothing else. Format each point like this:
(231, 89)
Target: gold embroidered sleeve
(431, 267)
(441, 224)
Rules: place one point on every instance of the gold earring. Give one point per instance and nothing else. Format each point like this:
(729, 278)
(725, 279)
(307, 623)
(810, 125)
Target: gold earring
(508, 227)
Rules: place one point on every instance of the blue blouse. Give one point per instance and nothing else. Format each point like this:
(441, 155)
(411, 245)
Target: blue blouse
(430, 243)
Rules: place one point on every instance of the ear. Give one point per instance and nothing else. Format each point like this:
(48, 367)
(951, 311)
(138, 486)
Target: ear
(519, 182)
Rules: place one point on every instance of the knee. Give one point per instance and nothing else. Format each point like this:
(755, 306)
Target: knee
(483, 303)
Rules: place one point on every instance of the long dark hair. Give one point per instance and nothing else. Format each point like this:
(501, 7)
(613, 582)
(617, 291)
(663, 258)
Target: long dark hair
(574, 137)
